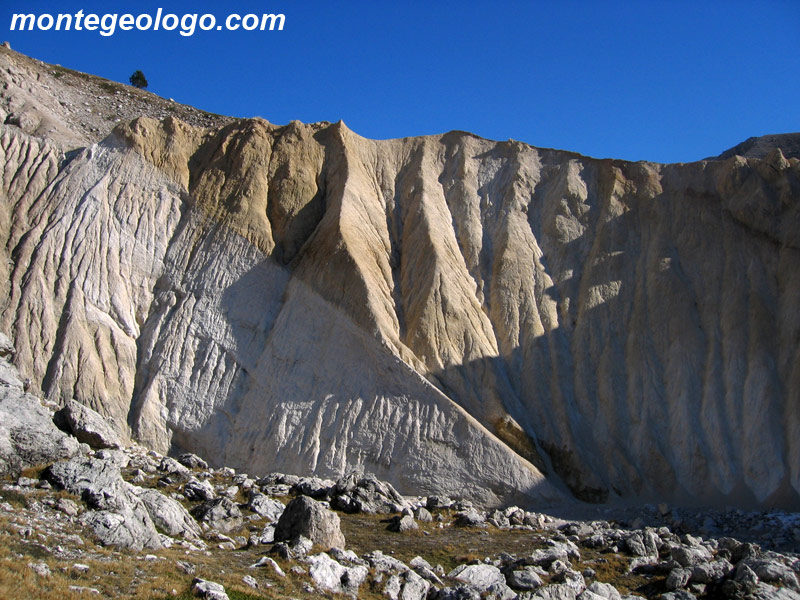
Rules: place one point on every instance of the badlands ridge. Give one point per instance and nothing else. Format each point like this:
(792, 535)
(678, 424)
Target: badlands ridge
(456, 315)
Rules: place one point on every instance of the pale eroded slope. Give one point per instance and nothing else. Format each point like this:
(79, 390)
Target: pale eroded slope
(304, 299)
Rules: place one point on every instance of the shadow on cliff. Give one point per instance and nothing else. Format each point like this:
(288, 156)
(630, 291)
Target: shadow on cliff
(250, 306)
(572, 393)
(536, 383)
(566, 390)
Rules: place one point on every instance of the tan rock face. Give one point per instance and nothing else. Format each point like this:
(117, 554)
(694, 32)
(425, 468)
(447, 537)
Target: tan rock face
(446, 311)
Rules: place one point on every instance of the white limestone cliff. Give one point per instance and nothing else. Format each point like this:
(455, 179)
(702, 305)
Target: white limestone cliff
(457, 315)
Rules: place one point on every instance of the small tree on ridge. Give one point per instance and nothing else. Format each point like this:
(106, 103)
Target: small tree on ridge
(138, 80)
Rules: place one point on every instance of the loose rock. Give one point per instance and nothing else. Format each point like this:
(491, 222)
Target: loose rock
(208, 590)
(304, 516)
(220, 514)
(87, 426)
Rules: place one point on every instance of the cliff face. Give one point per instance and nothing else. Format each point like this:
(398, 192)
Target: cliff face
(457, 315)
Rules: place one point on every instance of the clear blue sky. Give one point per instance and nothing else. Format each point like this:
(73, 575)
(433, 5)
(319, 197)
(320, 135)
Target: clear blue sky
(654, 80)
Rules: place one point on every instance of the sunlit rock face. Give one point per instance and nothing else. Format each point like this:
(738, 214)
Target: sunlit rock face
(456, 315)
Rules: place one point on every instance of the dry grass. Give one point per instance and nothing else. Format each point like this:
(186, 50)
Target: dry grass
(448, 546)
(15, 498)
(33, 472)
(613, 568)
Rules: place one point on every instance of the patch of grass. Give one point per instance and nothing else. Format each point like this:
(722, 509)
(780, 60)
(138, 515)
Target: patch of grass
(237, 595)
(15, 498)
(110, 86)
(65, 494)
(33, 472)
(59, 72)
(613, 568)
(448, 546)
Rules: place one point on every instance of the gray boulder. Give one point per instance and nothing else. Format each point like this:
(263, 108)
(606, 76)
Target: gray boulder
(678, 578)
(67, 506)
(9, 376)
(267, 535)
(168, 515)
(688, 556)
(764, 591)
(331, 576)
(98, 482)
(208, 590)
(385, 564)
(264, 506)
(119, 518)
(404, 523)
(266, 561)
(118, 458)
(487, 579)
(40, 568)
(545, 557)
(524, 579)
(773, 571)
(172, 467)
(470, 518)
(295, 549)
(315, 487)
(745, 575)
(498, 519)
(220, 514)
(569, 577)
(423, 568)
(556, 591)
(432, 502)
(87, 425)
(711, 572)
(642, 543)
(356, 493)
(126, 527)
(195, 489)
(604, 590)
(423, 515)
(304, 516)
(459, 592)
(347, 557)
(192, 461)
(406, 586)
(28, 437)
(678, 595)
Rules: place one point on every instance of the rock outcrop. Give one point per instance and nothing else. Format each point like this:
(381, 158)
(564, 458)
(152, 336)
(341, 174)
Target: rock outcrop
(28, 437)
(87, 426)
(120, 517)
(220, 513)
(306, 517)
(457, 315)
(168, 515)
(760, 147)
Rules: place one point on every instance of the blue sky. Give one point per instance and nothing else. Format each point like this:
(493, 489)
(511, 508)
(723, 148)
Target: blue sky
(639, 80)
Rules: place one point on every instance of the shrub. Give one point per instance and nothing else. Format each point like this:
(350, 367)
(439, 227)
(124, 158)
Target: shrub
(138, 80)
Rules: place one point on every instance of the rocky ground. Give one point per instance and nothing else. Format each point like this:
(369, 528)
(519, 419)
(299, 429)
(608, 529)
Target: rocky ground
(75, 109)
(81, 515)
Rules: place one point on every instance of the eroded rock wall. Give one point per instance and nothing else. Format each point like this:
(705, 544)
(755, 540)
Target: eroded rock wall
(454, 314)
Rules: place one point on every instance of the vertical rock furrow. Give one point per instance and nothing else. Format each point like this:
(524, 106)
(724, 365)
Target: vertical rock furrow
(81, 277)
